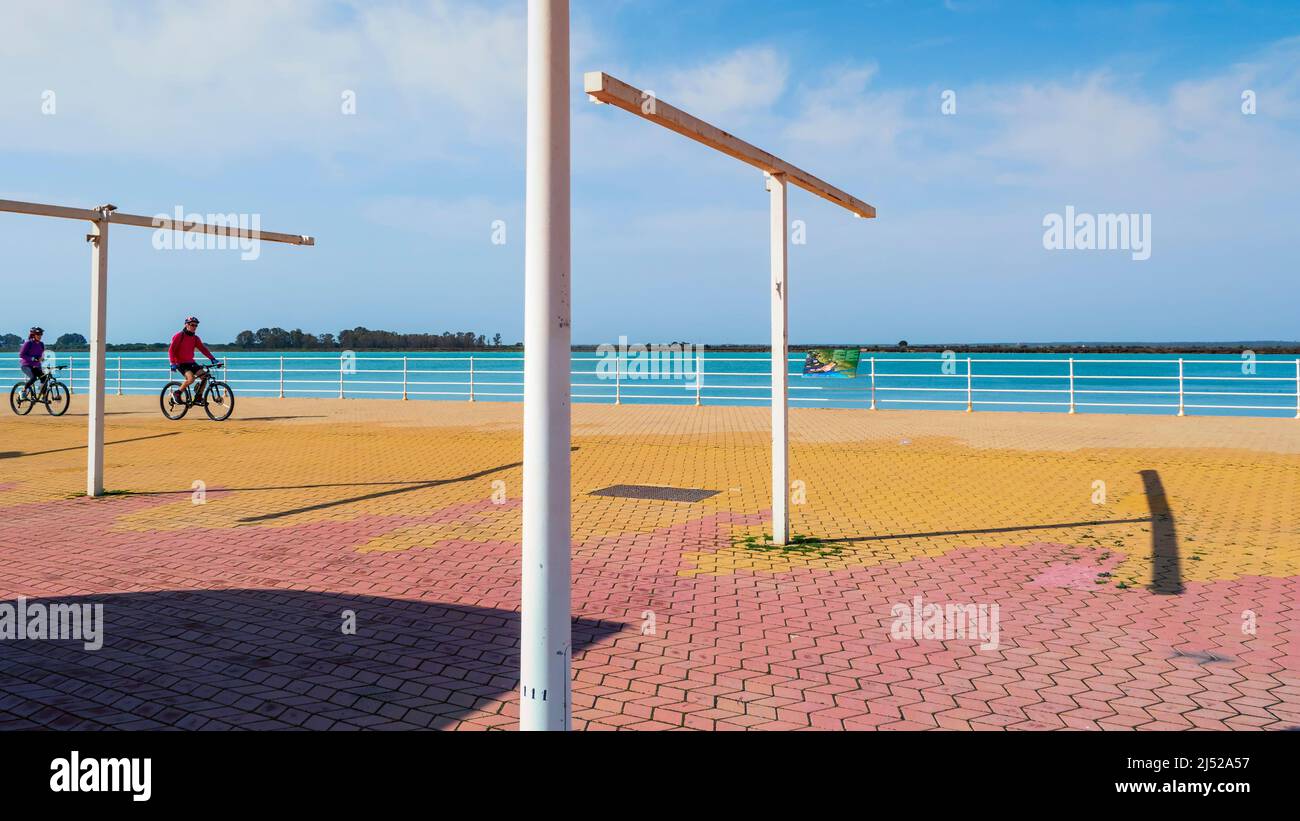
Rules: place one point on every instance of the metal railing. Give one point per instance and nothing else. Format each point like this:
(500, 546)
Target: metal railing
(1260, 387)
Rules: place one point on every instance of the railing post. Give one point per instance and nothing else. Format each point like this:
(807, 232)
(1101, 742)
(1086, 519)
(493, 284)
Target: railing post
(1072, 384)
(119, 374)
(72, 361)
(1297, 389)
(471, 377)
(281, 376)
(404, 365)
(699, 381)
(340, 376)
(970, 391)
(229, 378)
(618, 379)
(1180, 387)
(873, 382)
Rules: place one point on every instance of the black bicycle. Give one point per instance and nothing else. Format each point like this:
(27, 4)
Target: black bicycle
(216, 397)
(47, 391)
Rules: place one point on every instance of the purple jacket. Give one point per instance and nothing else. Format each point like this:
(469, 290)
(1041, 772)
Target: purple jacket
(31, 352)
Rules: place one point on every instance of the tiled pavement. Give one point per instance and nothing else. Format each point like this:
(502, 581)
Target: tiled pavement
(1146, 570)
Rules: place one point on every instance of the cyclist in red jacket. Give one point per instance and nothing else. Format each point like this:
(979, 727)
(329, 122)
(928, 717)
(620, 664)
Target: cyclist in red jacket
(181, 354)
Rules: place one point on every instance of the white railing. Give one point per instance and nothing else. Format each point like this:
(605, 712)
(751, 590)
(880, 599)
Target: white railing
(1071, 384)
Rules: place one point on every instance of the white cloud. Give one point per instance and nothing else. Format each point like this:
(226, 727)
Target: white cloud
(1079, 126)
(184, 80)
(736, 87)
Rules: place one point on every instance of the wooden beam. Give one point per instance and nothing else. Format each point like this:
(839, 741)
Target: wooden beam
(41, 210)
(168, 224)
(157, 223)
(606, 89)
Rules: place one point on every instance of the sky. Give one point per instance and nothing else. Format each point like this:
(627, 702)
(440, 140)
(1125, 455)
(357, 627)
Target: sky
(393, 132)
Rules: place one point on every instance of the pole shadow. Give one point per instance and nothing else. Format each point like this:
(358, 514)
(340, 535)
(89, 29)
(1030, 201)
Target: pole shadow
(1166, 566)
(981, 530)
(15, 454)
(268, 659)
(379, 494)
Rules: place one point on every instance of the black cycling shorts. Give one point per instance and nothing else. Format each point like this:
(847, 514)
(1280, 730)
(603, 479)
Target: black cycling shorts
(188, 367)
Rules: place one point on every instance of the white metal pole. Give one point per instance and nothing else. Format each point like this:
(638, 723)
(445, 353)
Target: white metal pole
(98, 320)
(340, 376)
(471, 378)
(72, 376)
(281, 376)
(1297, 389)
(404, 364)
(1180, 386)
(873, 382)
(546, 631)
(1072, 384)
(970, 398)
(618, 388)
(776, 185)
(119, 374)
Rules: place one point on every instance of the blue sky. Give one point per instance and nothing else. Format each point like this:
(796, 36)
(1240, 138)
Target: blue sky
(1107, 107)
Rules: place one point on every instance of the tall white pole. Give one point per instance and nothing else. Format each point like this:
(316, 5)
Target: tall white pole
(776, 185)
(546, 640)
(98, 319)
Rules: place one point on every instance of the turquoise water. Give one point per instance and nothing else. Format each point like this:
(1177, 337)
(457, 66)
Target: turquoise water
(1103, 383)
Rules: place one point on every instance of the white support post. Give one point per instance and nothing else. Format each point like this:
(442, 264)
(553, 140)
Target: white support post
(404, 367)
(98, 320)
(471, 378)
(873, 382)
(281, 376)
(340, 376)
(546, 638)
(119, 374)
(970, 389)
(1181, 411)
(618, 379)
(1072, 384)
(72, 361)
(699, 381)
(776, 185)
(1297, 389)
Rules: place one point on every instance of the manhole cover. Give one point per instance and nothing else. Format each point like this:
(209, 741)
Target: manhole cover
(663, 494)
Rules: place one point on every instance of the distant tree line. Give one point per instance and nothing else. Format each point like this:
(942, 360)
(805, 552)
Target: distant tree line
(360, 339)
(278, 339)
(14, 341)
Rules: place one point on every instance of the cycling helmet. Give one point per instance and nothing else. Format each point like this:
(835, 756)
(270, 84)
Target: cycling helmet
(35, 330)
(190, 319)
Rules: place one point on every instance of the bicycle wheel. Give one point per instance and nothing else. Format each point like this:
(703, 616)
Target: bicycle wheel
(20, 402)
(58, 398)
(170, 408)
(219, 401)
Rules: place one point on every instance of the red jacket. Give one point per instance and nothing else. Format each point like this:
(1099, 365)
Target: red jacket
(182, 348)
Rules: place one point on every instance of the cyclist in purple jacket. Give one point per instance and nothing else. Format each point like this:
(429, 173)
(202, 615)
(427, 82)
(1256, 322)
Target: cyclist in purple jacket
(29, 356)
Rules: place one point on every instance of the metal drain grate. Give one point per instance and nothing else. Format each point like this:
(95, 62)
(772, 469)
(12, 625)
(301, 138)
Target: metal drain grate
(663, 494)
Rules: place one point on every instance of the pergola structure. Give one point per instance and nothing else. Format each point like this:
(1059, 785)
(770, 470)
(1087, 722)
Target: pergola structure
(546, 642)
(100, 218)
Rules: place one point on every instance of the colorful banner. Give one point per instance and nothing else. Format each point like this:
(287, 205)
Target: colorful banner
(838, 362)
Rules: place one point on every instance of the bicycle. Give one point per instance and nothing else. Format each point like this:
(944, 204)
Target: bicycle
(216, 397)
(55, 395)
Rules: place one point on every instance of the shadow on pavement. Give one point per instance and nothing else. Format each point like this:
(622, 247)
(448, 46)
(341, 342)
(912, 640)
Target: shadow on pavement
(14, 454)
(1166, 566)
(267, 659)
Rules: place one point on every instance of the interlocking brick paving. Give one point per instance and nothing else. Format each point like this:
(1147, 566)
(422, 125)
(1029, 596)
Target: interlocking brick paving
(1146, 570)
